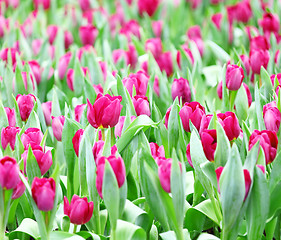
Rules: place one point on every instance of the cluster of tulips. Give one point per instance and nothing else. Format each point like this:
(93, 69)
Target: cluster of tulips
(140, 119)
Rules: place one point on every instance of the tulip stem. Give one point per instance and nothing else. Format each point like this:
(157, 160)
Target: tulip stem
(75, 228)
(103, 134)
(113, 234)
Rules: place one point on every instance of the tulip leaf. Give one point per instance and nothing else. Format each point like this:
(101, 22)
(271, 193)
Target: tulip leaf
(258, 208)
(55, 235)
(137, 216)
(33, 121)
(89, 91)
(170, 235)
(258, 106)
(173, 127)
(69, 129)
(142, 122)
(110, 192)
(208, 168)
(223, 147)
(241, 104)
(207, 236)
(3, 117)
(232, 186)
(218, 51)
(126, 230)
(267, 85)
(32, 168)
(27, 226)
(87, 235)
(78, 78)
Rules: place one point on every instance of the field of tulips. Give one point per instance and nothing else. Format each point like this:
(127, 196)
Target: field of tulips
(140, 119)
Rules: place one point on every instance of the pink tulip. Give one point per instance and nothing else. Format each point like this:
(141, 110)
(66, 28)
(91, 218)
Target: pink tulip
(57, 126)
(32, 137)
(11, 116)
(47, 110)
(138, 80)
(88, 34)
(78, 111)
(271, 116)
(76, 140)
(181, 89)
(141, 105)
(9, 173)
(8, 136)
(26, 104)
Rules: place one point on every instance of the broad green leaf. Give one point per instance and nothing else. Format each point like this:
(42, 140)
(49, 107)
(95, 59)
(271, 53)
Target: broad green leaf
(173, 127)
(28, 226)
(126, 230)
(32, 168)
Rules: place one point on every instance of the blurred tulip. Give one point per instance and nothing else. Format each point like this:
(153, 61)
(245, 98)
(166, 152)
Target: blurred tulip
(76, 140)
(63, 64)
(270, 22)
(148, 6)
(26, 104)
(88, 34)
(11, 116)
(47, 110)
(271, 116)
(8, 136)
(57, 126)
(78, 111)
(258, 58)
(181, 89)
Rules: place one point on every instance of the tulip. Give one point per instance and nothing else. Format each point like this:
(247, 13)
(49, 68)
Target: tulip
(230, 124)
(36, 70)
(154, 45)
(181, 89)
(132, 56)
(156, 87)
(8, 136)
(4, 25)
(43, 192)
(119, 126)
(76, 140)
(194, 34)
(68, 39)
(271, 116)
(63, 64)
(45, 3)
(79, 210)
(11, 116)
(26, 104)
(219, 90)
(141, 105)
(258, 58)
(57, 126)
(4, 53)
(105, 111)
(241, 12)
(165, 63)
(88, 34)
(52, 31)
(188, 53)
(194, 3)
(157, 27)
(188, 156)
(138, 80)
(234, 77)
(216, 19)
(247, 179)
(246, 62)
(78, 111)
(18, 190)
(167, 115)
(44, 160)
(118, 168)
(129, 28)
(205, 121)
(147, 6)
(36, 46)
(259, 42)
(118, 55)
(268, 142)
(209, 143)
(103, 67)
(85, 5)
(25, 81)
(193, 112)
(270, 23)
(157, 152)
(47, 110)
(32, 137)
(164, 172)
(277, 76)
(9, 173)
(249, 96)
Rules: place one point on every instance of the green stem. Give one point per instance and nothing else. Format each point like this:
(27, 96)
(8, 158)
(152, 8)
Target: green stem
(217, 211)
(103, 134)
(179, 234)
(113, 234)
(75, 228)
(2, 227)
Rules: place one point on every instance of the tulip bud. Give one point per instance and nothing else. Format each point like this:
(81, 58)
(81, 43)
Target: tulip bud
(188, 53)
(268, 141)
(44, 160)
(105, 111)
(129, 28)
(165, 63)
(52, 31)
(209, 143)
(154, 45)
(18, 190)
(4, 25)
(36, 70)
(194, 34)
(26, 104)
(193, 112)
(188, 156)
(258, 58)
(230, 124)
(138, 80)
(164, 172)
(234, 77)
(216, 19)
(148, 6)
(57, 126)
(271, 116)
(141, 105)
(249, 96)
(118, 168)
(78, 111)
(47, 110)
(277, 76)
(157, 27)
(9, 173)
(119, 126)
(8, 136)
(88, 34)
(270, 23)
(11, 116)
(79, 211)
(259, 42)
(167, 115)
(76, 140)
(156, 151)
(32, 137)
(43, 192)
(68, 39)
(4, 53)
(85, 5)
(181, 89)
(63, 64)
